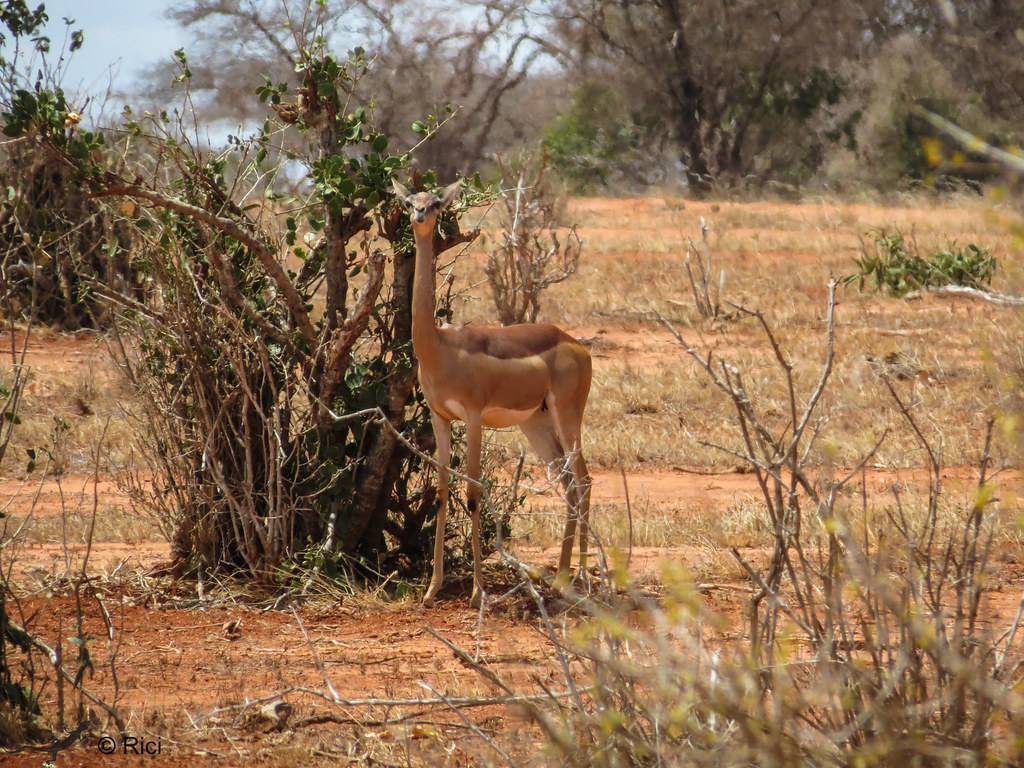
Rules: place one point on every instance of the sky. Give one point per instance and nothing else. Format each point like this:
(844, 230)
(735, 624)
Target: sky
(122, 37)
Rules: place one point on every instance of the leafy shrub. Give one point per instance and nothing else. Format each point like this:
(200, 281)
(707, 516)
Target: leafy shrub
(899, 269)
(593, 141)
(237, 354)
(59, 240)
(275, 378)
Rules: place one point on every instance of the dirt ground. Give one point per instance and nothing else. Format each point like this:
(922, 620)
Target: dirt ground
(199, 678)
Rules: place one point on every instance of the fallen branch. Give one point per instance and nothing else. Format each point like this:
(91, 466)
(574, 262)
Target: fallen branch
(974, 293)
(423, 705)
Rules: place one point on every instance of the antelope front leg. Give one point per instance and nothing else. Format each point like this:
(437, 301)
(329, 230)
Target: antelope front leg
(564, 575)
(474, 440)
(443, 437)
(577, 502)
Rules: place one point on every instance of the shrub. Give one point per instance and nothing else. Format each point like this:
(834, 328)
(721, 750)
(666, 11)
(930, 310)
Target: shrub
(899, 269)
(857, 648)
(59, 240)
(236, 356)
(594, 142)
(274, 394)
(529, 257)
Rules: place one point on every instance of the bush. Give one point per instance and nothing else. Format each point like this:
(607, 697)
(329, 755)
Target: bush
(529, 257)
(900, 269)
(858, 647)
(593, 143)
(235, 355)
(59, 241)
(274, 394)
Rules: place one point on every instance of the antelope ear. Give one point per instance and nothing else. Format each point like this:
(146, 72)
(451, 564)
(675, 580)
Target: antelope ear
(399, 190)
(449, 193)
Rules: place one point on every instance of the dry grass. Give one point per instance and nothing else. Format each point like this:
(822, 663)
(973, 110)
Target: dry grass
(72, 379)
(959, 358)
(953, 360)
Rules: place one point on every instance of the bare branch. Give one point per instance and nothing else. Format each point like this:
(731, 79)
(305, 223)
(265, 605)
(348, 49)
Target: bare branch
(114, 186)
(336, 351)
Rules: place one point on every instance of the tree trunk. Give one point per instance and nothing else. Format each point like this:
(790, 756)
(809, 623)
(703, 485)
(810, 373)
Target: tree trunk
(373, 486)
(686, 100)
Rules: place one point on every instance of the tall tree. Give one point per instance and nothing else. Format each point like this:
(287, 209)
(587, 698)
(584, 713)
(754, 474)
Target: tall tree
(426, 55)
(718, 77)
(753, 91)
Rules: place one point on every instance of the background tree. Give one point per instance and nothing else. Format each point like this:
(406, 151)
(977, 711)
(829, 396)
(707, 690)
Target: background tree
(426, 55)
(747, 92)
(633, 92)
(718, 80)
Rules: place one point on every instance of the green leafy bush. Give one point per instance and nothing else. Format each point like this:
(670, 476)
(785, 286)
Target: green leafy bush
(57, 239)
(594, 138)
(241, 352)
(900, 269)
(273, 361)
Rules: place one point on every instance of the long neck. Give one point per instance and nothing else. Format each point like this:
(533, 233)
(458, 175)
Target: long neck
(425, 340)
